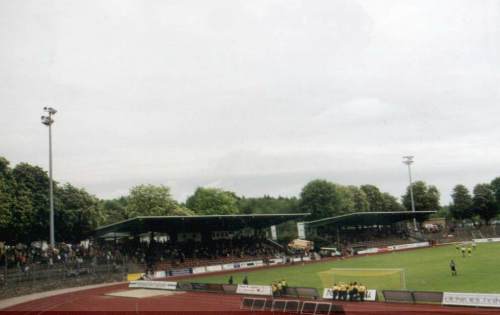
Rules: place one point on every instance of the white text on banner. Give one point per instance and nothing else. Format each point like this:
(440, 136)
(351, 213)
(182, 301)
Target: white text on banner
(254, 289)
(471, 299)
(165, 285)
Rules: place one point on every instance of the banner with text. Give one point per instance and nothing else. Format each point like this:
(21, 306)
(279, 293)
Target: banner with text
(228, 266)
(254, 289)
(471, 299)
(301, 230)
(214, 268)
(199, 270)
(163, 285)
(160, 274)
(487, 240)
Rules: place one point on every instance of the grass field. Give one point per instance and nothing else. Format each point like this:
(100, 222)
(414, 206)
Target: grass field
(425, 269)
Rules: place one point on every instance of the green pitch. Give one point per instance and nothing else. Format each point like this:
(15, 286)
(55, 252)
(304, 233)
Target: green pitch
(425, 269)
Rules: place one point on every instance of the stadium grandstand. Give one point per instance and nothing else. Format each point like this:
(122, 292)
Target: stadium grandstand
(357, 231)
(165, 242)
(140, 244)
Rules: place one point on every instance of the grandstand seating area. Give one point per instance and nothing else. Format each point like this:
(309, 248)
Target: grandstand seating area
(368, 237)
(380, 242)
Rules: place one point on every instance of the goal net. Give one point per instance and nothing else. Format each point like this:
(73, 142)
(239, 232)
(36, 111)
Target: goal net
(381, 278)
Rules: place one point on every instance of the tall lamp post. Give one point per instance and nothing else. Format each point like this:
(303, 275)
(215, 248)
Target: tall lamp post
(48, 121)
(408, 160)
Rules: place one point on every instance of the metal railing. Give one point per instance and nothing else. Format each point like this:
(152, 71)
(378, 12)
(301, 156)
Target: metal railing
(36, 277)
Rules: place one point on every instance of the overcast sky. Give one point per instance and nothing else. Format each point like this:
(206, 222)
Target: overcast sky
(257, 97)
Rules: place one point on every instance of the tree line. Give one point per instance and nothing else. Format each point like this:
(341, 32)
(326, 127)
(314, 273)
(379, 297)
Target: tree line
(24, 203)
(480, 207)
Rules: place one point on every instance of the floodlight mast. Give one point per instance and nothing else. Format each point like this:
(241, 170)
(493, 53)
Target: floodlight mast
(408, 160)
(48, 121)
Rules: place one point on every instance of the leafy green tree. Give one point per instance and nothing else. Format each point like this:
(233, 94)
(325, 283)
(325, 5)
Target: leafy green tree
(7, 199)
(426, 197)
(360, 199)
(267, 204)
(461, 206)
(321, 199)
(31, 211)
(375, 198)
(484, 202)
(352, 199)
(115, 210)
(145, 200)
(77, 214)
(443, 212)
(495, 185)
(391, 203)
(212, 201)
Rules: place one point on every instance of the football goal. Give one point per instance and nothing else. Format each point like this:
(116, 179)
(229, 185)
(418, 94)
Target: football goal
(381, 278)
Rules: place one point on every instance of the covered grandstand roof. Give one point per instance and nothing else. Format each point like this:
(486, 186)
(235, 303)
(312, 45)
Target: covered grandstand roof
(195, 223)
(369, 218)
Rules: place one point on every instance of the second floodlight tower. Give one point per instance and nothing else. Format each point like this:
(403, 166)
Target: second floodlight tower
(408, 160)
(48, 121)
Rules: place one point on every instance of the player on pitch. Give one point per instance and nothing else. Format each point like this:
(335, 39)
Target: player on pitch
(453, 268)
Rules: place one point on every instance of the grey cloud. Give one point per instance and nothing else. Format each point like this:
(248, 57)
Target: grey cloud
(257, 97)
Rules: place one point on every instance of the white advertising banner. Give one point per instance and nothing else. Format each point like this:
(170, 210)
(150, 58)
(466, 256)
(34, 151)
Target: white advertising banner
(471, 299)
(228, 266)
(276, 261)
(368, 251)
(487, 240)
(328, 293)
(254, 289)
(306, 258)
(199, 270)
(160, 274)
(274, 234)
(163, 285)
(214, 268)
(301, 230)
(371, 295)
(248, 264)
(408, 246)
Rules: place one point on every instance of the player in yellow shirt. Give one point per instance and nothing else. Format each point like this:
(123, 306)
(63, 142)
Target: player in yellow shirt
(342, 291)
(335, 291)
(362, 292)
(462, 249)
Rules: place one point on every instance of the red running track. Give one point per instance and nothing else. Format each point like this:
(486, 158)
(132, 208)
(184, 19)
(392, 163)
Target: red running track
(96, 300)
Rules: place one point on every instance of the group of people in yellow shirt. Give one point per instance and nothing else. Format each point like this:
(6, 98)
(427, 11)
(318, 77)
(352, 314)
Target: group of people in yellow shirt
(353, 291)
(462, 248)
(279, 287)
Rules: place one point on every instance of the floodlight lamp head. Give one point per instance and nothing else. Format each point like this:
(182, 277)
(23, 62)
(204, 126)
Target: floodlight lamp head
(50, 110)
(47, 121)
(408, 159)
